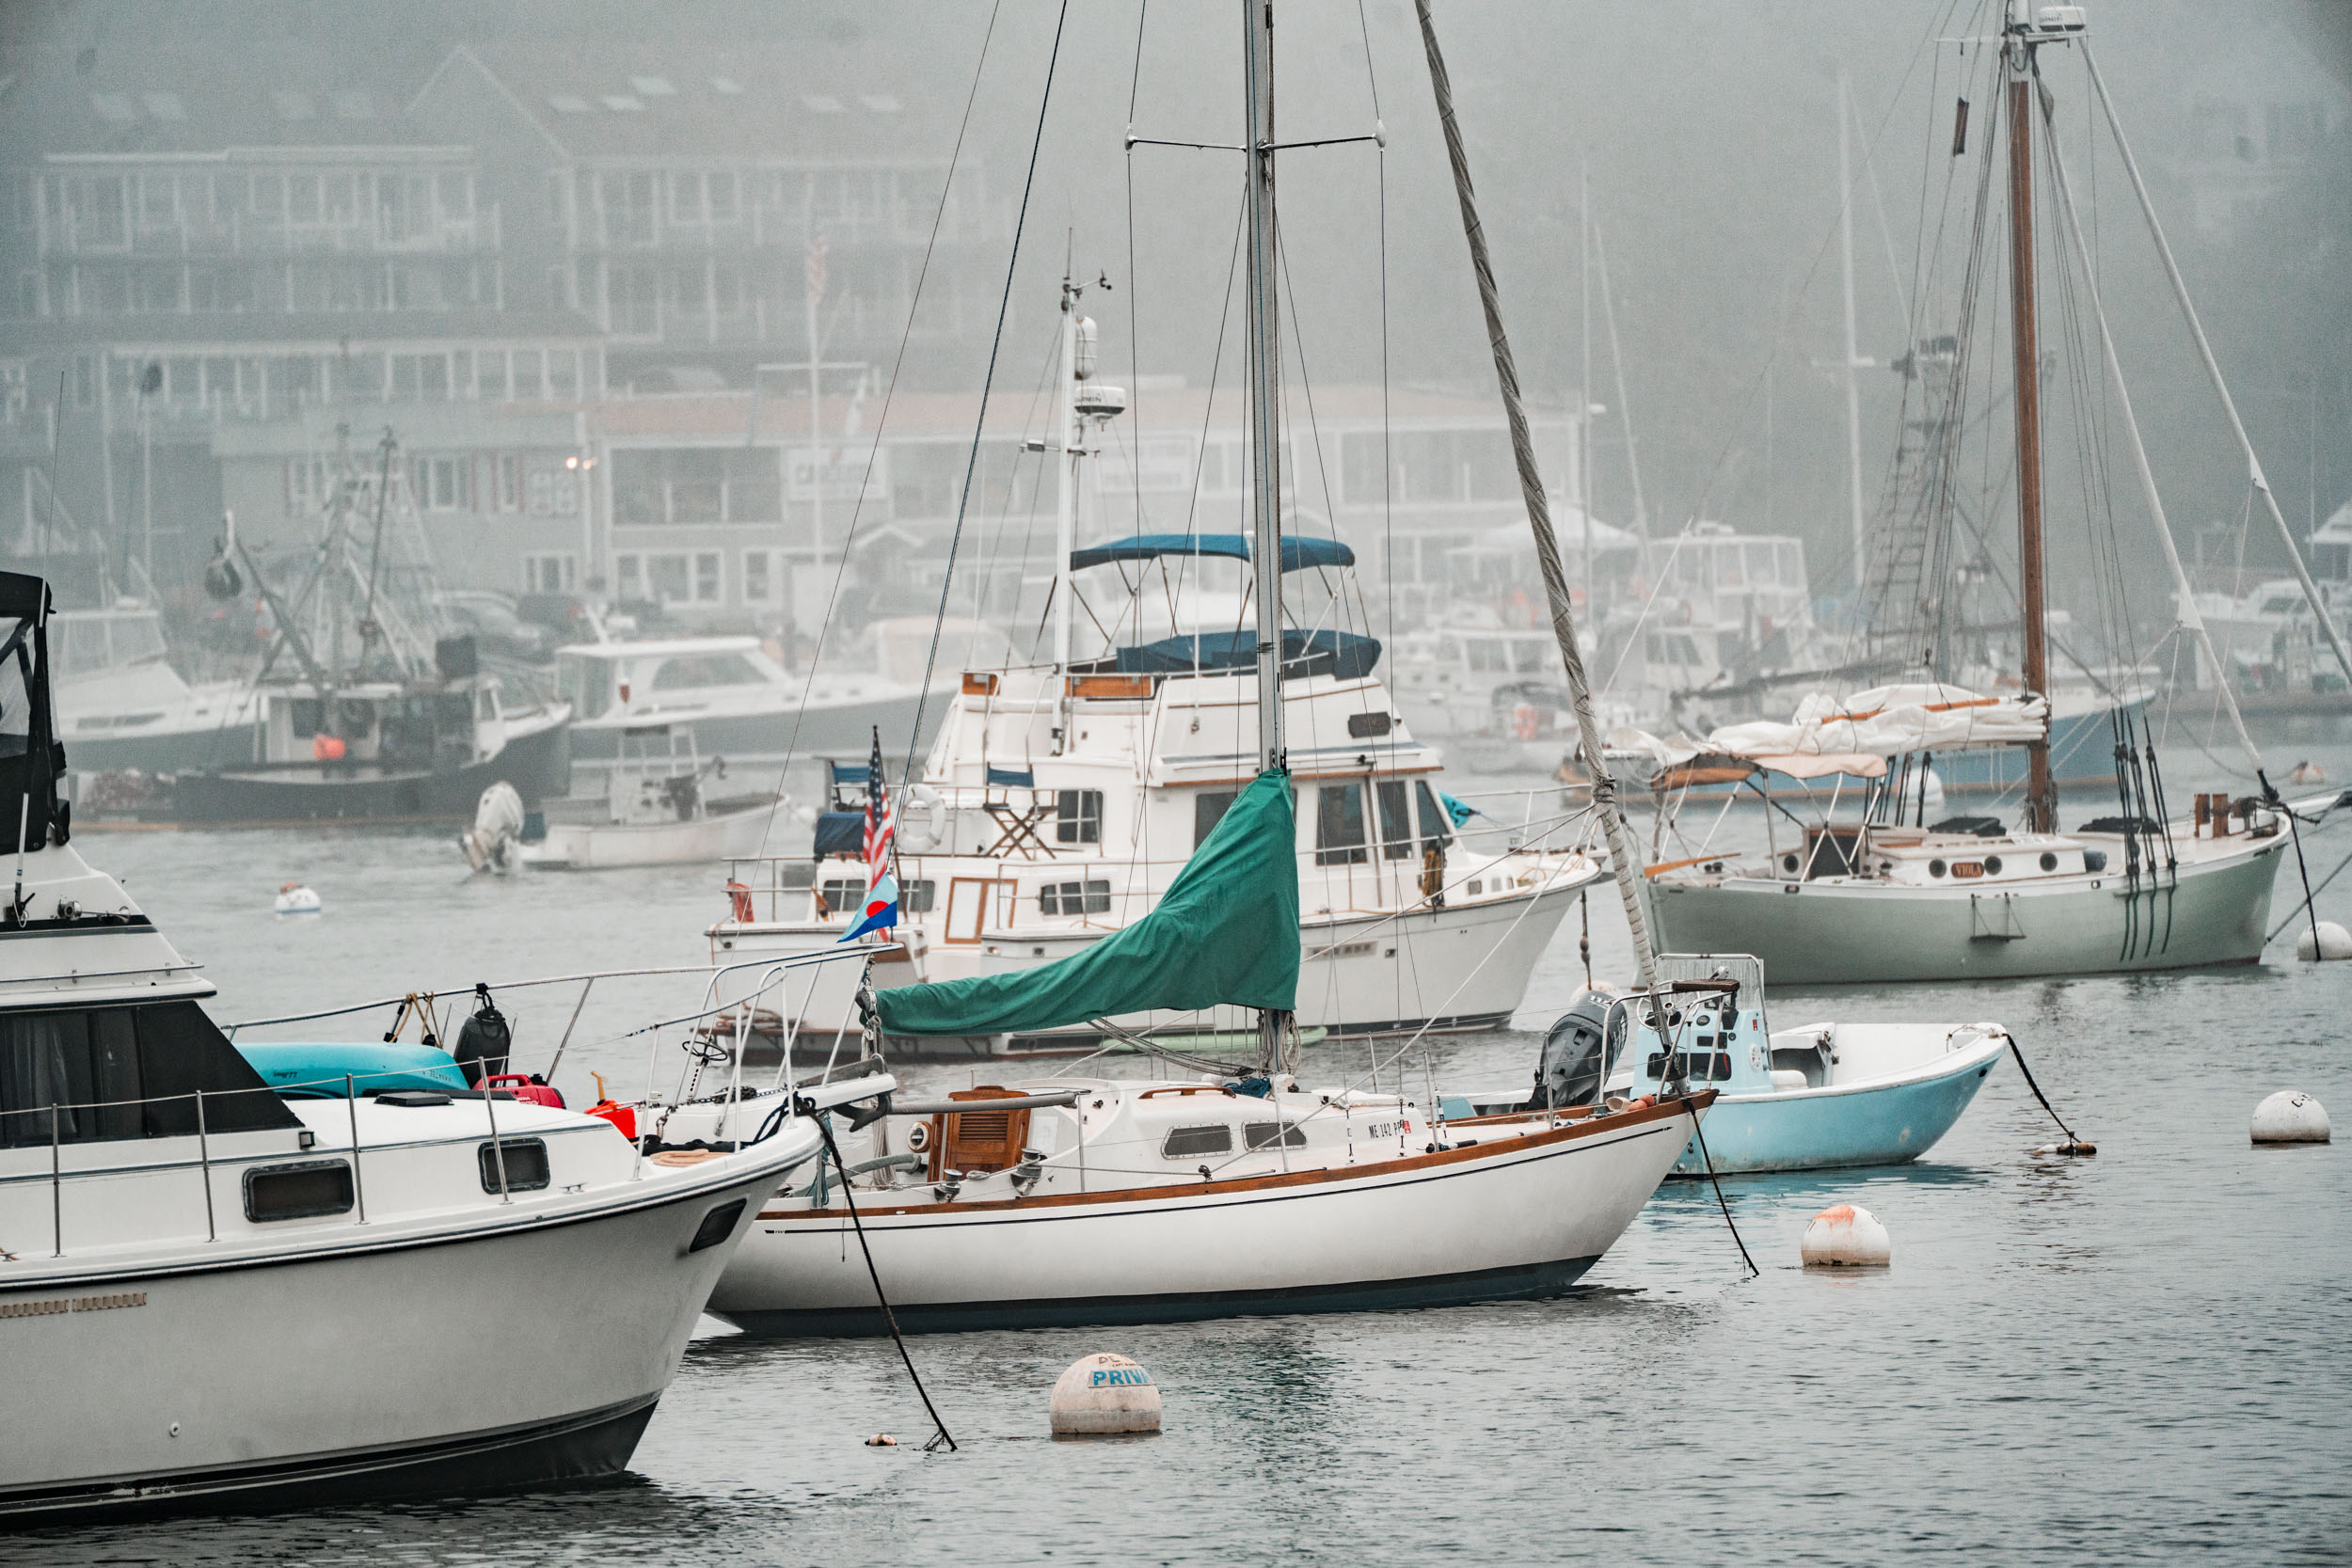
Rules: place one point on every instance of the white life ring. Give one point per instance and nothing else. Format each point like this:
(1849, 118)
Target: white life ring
(917, 832)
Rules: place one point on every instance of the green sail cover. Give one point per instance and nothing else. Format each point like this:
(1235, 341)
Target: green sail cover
(1226, 932)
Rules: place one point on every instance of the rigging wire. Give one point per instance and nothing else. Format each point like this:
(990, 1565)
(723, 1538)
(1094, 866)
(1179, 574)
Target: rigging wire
(988, 383)
(890, 392)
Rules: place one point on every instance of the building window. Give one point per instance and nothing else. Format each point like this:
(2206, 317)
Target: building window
(1078, 816)
(628, 574)
(764, 577)
(1339, 825)
(666, 578)
(510, 482)
(444, 484)
(550, 573)
(85, 381)
(709, 579)
(309, 482)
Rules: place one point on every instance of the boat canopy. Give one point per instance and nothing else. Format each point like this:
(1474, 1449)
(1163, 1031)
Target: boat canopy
(1225, 934)
(1297, 553)
(1857, 736)
(1351, 655)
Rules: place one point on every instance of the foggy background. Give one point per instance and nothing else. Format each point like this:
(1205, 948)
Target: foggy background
(1707, 134)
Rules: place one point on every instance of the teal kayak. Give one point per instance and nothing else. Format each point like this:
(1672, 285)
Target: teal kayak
(318, 1070)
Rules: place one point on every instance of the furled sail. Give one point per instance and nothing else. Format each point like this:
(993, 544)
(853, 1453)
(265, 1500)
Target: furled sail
(1856, 736)
(1226, 932)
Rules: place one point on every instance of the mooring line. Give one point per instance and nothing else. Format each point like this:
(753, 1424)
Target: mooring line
(2073, 1144)
(824, 1126)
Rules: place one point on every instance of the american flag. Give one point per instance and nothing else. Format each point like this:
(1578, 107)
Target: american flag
(881, 822)
(815, 268)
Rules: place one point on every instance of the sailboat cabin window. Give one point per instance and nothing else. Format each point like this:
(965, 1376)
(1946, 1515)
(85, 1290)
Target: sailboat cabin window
(1208, 809)
(1266, 1134)
(1187, 1143)
(1339, 825)
(1078, 816)
(1092, 897)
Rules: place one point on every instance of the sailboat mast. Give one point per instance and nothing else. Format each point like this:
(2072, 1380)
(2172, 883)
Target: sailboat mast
(1853, 352)
(1065, 447)
(1266, 376)
(2025, 355)
(1624, 858)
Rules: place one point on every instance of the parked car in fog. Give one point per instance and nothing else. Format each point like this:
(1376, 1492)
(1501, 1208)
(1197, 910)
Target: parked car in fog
(500, 631)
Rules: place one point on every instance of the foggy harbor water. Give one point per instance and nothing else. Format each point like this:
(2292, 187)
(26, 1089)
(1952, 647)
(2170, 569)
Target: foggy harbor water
(2127, 1359)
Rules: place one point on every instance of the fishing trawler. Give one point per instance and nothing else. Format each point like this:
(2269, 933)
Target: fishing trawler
(365, 707)
(172, 1227)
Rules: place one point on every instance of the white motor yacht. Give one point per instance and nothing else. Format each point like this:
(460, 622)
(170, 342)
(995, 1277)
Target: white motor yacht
(120, 705)
(728, 694)
(212, 1296)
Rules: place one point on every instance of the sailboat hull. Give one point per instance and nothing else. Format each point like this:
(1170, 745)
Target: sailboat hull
(1509, 1218)
(1857, 932)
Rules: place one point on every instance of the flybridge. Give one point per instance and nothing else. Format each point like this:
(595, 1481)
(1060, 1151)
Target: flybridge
(1299, 553)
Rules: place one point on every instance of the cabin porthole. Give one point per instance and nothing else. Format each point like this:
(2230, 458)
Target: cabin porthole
(2049, 862)
(1789, 864)
(1991, 866)
(1935, 868)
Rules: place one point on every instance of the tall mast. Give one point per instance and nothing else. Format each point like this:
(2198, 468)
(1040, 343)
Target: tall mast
(1064, 445)
(2025, 357)
(1265, 379)
(1853, 352)
(1265, 370)
(1584, 393)
(1624, 858)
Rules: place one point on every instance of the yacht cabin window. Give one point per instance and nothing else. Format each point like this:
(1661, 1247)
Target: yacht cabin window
(1208, 809)
(1078, 816)
(126, 1072)
(587, 685)
(1092, 897)
(1339, 825)
(691, 672)
(1396, 820)
(1437, 823)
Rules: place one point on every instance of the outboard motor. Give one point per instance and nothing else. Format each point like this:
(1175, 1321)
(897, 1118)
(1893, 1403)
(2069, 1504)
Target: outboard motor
(483, 1041)
(1578, 1052)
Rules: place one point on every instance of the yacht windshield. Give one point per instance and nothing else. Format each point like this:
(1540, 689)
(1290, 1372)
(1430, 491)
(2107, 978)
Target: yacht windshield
(690, 672)
(587, 685)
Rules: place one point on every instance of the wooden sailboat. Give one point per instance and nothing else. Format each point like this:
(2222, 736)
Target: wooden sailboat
(1898, 897)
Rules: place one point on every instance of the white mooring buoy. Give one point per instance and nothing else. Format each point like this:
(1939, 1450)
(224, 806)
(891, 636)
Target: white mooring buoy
(294, 898)
(2291, 1117)
(1847, 1236)
(2334, 942)
(1102, 1394)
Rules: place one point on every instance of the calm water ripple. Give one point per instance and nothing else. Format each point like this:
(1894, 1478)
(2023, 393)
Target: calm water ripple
(2124, 1359)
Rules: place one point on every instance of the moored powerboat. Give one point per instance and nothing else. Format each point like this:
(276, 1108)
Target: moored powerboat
(175, 1233)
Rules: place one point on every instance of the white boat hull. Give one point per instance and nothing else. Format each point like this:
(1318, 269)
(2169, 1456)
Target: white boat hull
(1855, 931)
(1508, 1218)
(1463, 967)
(603, 845)
(418, 1354)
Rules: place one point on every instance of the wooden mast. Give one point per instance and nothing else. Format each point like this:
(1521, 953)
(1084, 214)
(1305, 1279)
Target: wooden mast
(2026, 353)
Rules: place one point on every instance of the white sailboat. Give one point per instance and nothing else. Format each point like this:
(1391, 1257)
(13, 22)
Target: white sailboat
(1904, 899)
(1089, 1200)
(212, 1296)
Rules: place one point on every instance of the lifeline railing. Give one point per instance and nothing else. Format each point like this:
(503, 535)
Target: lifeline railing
(58, 1113)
